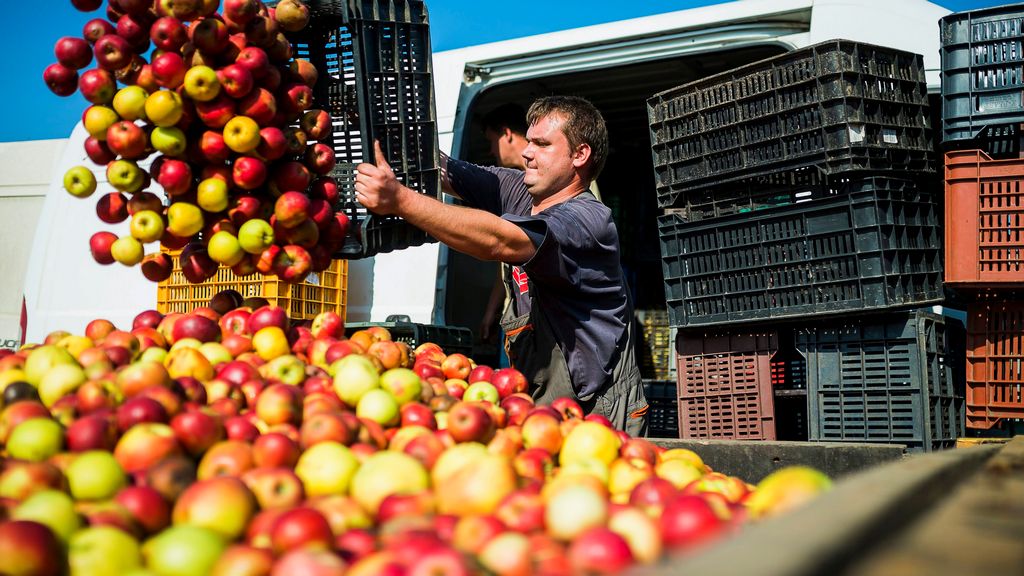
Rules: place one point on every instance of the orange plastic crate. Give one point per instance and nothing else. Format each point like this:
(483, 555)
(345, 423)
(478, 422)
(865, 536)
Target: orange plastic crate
(984, 220)
(995, 363)
(725, 385)
(320, 292)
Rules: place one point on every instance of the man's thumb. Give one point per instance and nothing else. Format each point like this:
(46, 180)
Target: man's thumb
(378, 153)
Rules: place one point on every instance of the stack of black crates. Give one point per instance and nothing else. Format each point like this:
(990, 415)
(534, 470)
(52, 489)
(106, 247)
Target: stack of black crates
(376, 81)
(982, 112)
(800, 240)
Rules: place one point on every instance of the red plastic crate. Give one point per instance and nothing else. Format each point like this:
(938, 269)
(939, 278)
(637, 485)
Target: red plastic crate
(995, 363)
(984, 220)
(725, 385)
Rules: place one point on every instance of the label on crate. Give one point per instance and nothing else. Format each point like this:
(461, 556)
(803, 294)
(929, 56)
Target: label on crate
(313, 279)
(997, 102)
(857, 133)
(889, 136)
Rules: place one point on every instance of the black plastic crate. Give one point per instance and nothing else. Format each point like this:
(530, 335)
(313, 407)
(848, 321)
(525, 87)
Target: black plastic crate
(983, 78)
(789, 387)
(839, 106)
(663, 408)
(376, 81)
(877, 247)
(897, 378)
(451, 339)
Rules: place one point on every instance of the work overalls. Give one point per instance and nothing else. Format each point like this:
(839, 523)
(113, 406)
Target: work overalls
(532, 349)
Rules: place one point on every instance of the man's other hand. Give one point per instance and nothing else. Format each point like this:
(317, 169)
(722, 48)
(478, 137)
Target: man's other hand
(376, 186)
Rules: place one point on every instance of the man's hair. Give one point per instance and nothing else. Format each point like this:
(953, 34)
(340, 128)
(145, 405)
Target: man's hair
(582, 123)
(509, 116)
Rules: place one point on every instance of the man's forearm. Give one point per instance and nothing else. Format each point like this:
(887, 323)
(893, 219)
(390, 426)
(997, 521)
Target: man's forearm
(474, 232)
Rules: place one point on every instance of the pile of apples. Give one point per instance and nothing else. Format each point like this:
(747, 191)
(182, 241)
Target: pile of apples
(222, 111)
(242, 443)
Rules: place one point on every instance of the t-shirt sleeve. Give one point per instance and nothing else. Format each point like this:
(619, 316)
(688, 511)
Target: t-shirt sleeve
(496, 190)
(562, 237)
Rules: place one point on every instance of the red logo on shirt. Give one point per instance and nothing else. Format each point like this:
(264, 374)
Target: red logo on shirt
(522, 280)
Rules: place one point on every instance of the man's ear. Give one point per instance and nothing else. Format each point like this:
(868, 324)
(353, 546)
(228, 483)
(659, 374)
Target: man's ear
(508, 134)
(581, 156)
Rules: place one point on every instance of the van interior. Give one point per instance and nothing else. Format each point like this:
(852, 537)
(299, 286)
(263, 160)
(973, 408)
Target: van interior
(626, 185)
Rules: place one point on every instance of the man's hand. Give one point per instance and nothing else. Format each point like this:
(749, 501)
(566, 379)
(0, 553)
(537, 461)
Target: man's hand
(376, 186)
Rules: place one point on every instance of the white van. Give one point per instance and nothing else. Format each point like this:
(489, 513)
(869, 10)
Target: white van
(616, 65)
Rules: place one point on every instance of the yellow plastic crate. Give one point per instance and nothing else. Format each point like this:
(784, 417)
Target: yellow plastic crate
(320, 292)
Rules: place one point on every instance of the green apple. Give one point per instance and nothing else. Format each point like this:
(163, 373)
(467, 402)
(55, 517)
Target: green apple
(127, 251)
(242, 134)
(35, 439)
(378, 405)
(146, 226)
(385, 473)
(183, 550)
(224, 248)
(216, 353)
(212, 195)
(125, 176)
(255, 236)
(42, 358)
(60, 380)
(223, 504)
(53, 508)
(184, 219)
(326, 468)
(181, 343)
(164, 108)
(287, 368)
(97, 119)
(153, 354)
(201, 83)
(130, 103)
(479, 391)
(102, 551)
(404, 384)
(168, 140)
(80, 182)
(95, 475)
(354, 375)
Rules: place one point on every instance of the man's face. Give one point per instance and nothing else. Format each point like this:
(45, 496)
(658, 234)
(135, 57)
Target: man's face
(504, 149)
(549, 160)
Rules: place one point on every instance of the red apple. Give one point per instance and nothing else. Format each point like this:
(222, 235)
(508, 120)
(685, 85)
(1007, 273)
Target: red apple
(29, 547)
(113, 52)
(470, 422)
(112, 208)
(301, 527)
(456, 366)
(274, 488)
(275, 450)
(600, 551)
(260, 105)
(689, 521)
(168, 34)
(217, 112)
(74, 53)
(147, 507)
(248, 172)
(197, 431)
(140, 409)
(96, 28)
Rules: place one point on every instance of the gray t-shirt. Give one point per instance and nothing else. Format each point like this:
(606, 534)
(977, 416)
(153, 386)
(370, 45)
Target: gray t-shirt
(575, 275)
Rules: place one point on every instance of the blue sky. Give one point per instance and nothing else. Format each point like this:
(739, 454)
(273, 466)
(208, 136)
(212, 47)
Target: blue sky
(32, 112)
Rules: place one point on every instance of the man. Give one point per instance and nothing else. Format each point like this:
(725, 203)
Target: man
(568, 324)
(505, 128)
